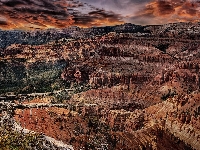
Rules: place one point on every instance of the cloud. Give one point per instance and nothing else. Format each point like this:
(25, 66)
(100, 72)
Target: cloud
(97, 18)
(3, 21)
(22, 14)
(166, 11)
(164, 8)
(25, 14)
(122, 7)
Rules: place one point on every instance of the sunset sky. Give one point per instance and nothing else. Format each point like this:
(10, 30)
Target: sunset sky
(25, 14)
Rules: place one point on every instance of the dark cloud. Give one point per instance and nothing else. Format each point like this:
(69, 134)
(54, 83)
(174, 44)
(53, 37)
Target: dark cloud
(103, 14)
(13, 3)
(2, 22)
(97, 18)
(52, 13)
(165, 7)
(22, 14)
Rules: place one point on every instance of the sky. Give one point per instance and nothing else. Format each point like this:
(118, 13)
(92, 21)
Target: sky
(31, 14)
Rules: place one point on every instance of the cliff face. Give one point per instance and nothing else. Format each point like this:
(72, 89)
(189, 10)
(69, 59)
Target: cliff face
(172, 124)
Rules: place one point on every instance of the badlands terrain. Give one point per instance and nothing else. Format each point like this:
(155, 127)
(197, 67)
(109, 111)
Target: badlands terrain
(127, 87)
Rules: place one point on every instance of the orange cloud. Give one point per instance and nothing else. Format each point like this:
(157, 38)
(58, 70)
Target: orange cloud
(33, 13)
(160, 8)
(166, 11)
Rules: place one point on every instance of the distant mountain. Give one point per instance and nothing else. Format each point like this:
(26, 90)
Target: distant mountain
(30, 38)
(37, 37)
(8, 37)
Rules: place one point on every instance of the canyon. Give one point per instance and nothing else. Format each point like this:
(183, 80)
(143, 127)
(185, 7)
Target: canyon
(121, 87)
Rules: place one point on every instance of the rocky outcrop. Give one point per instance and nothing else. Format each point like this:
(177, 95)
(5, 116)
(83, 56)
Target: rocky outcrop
(107, 79)
(79, 73)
